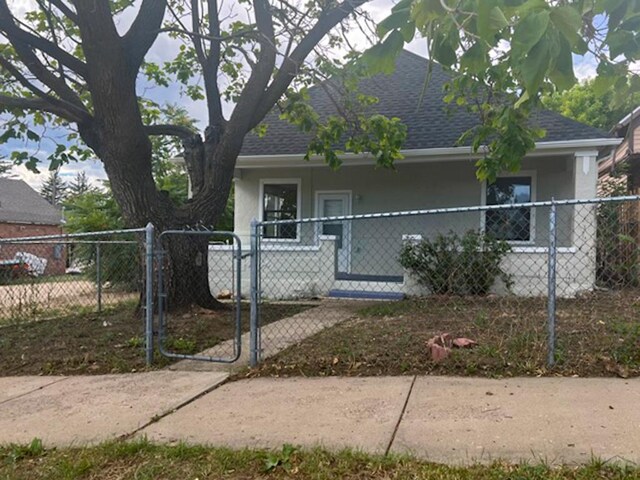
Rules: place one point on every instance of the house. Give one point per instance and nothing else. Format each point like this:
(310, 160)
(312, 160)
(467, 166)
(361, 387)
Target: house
(24, 213)
(273, 181)
(622, 167)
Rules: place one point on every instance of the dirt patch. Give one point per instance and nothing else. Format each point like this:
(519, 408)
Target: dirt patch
(50, 297)
(597, 335)
(113, 342)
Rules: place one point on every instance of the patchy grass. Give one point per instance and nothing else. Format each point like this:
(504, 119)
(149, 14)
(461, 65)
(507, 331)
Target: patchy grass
(597, 335)
(142, 460)
(113, 341)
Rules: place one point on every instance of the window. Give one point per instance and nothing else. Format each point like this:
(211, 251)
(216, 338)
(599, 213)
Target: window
(513, 224)
(280, 201)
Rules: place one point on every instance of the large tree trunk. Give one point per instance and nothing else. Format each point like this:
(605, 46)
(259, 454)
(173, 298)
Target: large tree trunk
(186, 272)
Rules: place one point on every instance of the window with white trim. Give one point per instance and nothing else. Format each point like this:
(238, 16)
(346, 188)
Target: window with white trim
(510, 224)
(280, 202)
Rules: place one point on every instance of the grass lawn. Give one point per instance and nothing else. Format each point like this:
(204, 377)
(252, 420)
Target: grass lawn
(597, 335)
(144, 461)
(113, 341)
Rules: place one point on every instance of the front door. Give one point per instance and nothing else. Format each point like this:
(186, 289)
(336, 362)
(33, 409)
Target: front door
(336, 204)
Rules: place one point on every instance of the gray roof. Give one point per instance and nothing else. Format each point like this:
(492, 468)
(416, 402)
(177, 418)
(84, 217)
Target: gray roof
(430, 124)
(19, 203)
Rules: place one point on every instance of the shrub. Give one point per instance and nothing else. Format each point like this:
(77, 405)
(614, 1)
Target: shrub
(457, 265)
(617, 250)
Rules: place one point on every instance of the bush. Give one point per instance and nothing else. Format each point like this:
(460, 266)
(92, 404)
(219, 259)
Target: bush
(617, 250)
(97, 211)
(457, 265)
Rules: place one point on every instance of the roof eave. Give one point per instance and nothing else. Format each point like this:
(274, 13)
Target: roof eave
(422, 155)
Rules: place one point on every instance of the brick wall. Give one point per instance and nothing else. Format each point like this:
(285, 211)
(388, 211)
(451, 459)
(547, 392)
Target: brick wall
(55, 254)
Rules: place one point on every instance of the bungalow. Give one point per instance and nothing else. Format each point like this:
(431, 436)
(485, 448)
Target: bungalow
(24, 213)
(274, 182)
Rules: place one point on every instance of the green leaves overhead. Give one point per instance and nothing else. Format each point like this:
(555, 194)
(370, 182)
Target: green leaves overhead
(381, 58)
(355, 128)
(504, 55)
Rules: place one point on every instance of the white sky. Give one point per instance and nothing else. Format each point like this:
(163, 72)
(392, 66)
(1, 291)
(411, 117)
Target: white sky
(164, 49)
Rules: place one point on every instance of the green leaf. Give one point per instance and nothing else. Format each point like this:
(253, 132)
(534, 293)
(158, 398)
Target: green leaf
(568, 21)
(474, 59)
(443, 51)
(620, 41)
(528, 32)
(381, 58)
(497, 20)
(534, 66)
(31, 135)
(561, 73)
(426, 11)
(400, 19)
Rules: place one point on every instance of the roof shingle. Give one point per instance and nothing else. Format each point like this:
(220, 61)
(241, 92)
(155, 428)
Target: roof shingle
(430, 124)
(19, 203)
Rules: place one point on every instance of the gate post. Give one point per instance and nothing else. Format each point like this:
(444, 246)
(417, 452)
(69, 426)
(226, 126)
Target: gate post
(149, 239)
(254, 347)
(551, 288)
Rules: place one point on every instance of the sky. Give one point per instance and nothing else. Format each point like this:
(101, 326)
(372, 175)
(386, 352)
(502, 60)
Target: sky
(165, 49)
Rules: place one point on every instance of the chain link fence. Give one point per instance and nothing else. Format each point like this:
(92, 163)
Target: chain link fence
(213, 276)
(52, 276)
(545, 286)
(72, 303)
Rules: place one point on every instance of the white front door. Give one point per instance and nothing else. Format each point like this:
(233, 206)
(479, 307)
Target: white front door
(336, 204)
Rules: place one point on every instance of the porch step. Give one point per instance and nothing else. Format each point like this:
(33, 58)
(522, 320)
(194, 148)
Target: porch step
(366, 295)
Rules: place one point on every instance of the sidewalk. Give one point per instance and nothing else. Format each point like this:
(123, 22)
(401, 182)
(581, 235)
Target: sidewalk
(452, 420)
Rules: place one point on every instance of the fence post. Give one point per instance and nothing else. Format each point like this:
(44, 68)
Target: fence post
(551, 287)
(254, 346)
(99, 276)
(149, 239)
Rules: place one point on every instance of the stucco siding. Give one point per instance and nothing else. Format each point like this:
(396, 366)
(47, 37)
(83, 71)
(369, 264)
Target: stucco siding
(375, 243)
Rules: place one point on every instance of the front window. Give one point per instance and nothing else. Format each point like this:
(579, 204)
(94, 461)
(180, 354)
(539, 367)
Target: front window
(512, 224)
(280, 202)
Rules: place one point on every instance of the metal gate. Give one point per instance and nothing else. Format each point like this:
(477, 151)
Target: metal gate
(183, 338)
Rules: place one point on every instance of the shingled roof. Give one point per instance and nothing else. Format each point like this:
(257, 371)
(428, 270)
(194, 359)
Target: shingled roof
(19, 203)
(430, 124)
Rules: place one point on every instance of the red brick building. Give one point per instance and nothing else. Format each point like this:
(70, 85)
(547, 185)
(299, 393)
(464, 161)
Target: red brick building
(24, 213)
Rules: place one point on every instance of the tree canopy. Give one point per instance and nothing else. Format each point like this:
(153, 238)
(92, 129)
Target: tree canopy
(505, 55)
(598, 109)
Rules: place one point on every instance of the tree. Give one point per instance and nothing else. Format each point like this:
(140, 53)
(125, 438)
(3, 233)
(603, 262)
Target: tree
(79, 185)
(582, 103)
(54, 189)
(69, 64)
(5, 168)
(504, 56)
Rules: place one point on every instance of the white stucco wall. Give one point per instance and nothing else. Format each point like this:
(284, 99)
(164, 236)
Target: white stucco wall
(293, 269)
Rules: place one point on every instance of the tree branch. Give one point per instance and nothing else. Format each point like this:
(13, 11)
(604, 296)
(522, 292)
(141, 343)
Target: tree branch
(144, 30)
(66, 11)
(195, 27)
(169, 130)
(36, 104)
(292, 63)
(214, 102)
(16, 34)
(73, 113)
(254, 89)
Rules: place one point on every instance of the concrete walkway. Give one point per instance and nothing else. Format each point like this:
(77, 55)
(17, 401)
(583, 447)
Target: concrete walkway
(276, 336)
(452, 420)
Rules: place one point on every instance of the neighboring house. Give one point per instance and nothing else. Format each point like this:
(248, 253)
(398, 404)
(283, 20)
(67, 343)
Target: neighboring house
(24, 213)
(273, 181)
(621, 168)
